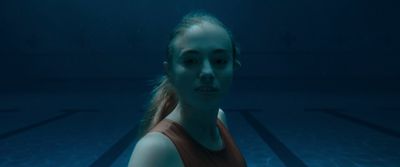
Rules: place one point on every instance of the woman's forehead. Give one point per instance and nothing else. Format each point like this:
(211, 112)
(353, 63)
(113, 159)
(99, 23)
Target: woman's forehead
(204, 36)
(206, 31)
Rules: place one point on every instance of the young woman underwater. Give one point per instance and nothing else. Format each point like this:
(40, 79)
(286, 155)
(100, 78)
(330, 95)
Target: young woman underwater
(184, 126)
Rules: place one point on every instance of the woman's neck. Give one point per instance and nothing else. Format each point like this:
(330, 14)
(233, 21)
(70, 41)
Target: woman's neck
(199, 123)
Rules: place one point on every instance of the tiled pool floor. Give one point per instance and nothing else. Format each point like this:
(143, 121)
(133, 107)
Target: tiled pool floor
(271, 129)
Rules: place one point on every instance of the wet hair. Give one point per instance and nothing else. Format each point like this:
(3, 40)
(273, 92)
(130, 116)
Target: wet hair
(163, 96)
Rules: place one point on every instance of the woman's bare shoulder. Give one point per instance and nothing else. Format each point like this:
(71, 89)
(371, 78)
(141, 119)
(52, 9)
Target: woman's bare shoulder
(155, 149)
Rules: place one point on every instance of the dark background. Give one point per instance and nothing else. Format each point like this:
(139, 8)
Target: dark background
(302, 45)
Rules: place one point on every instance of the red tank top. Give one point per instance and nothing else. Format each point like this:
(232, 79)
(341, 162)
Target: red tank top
(193, 154)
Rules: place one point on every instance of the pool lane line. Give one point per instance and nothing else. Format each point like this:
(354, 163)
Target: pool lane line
(35, 125)
(284, 154)
(362, 122)
(109, 156)
(66, 113)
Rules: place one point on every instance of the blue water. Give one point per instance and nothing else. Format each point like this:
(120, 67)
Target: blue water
(318, 86)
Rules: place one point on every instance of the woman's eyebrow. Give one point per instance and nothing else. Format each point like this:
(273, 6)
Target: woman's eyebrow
(220, 51)
(189, 52)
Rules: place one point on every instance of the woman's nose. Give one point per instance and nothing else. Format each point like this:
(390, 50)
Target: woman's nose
(206, 73)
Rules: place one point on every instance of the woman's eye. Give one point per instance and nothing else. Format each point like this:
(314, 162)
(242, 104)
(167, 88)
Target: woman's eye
(221, 61)
(190, 61)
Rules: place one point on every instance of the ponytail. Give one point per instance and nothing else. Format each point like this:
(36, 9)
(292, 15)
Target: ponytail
(163, 101)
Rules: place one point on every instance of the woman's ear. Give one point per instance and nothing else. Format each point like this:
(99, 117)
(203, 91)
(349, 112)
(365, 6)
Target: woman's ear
(166, 67)
(237, 64)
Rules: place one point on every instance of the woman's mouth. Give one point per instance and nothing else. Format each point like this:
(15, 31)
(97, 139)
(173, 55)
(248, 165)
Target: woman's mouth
(206, 89)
